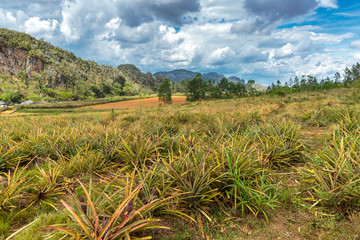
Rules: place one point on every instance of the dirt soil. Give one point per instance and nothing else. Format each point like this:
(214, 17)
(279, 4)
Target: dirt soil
(136, 103)
(8, 112)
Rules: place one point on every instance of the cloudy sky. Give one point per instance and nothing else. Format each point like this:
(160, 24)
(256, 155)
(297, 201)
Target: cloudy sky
(261, 39)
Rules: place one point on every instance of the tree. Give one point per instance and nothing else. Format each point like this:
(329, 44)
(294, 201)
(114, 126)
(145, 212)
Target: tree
(224, 84)
(96, 90)
(106, 89)
(196, 88)
(251, 89)
(250, 82)
(296, 83)
(165, 91)
(337, 77)
(241, 89)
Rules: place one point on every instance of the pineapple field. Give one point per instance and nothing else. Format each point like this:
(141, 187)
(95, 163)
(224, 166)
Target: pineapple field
(264, 167)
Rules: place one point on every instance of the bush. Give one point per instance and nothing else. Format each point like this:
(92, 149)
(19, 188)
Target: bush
(34, 97)
(64, 96)
(49, 99)
(10, 95)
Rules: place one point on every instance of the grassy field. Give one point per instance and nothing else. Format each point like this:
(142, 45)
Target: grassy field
(252, 168)
(84, 103)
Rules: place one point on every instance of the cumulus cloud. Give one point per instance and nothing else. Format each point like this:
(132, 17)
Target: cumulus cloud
(35, 26)
(240, 38)
(135, 13)
(253, 26)
(33, 8)
(280, 9)
(11, 19)
(82, 17)
(355, 44)
(266, 15)
(220, 56)
(328, 3)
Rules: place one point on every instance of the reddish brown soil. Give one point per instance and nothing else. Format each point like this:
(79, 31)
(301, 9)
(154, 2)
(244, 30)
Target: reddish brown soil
(136, 103)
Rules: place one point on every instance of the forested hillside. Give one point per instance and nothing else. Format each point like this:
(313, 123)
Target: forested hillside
(34, 69)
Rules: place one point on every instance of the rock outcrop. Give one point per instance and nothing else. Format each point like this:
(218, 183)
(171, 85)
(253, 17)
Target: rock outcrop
(13, 60)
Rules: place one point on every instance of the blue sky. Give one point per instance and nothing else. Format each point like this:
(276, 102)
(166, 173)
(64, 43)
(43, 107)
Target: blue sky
(265, 40)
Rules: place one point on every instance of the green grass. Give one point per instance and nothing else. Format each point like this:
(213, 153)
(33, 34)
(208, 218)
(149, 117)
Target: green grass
(254, 168)
(77, 104)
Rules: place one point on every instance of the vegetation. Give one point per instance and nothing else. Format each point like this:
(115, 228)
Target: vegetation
(58, 75)
(165, 91)
(351, 77)
(259, 167)
(198, 89)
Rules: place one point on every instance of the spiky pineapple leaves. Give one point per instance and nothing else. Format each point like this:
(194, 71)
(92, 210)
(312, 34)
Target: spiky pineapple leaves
(100, 223)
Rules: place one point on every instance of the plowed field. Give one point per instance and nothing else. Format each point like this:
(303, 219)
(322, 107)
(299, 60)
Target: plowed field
(136, 103)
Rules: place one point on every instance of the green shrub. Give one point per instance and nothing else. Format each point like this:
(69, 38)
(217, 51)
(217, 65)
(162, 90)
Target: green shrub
(34, 97)
(49, 99)
(64, 96)
(10, 95)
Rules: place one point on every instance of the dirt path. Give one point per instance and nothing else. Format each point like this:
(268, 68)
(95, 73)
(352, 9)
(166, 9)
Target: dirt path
(136, 103)
(315, 137)
(7, 112)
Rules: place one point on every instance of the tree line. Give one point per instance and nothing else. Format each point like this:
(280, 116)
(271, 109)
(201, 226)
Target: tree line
(351, 77)
(199, 89)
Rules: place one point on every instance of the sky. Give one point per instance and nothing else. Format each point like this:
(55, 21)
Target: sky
(265, 40)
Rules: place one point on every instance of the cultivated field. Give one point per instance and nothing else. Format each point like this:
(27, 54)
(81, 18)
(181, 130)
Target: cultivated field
(136, 103)
(263, 167)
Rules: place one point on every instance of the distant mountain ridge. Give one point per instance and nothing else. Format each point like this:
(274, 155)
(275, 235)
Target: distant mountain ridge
(181, 74)
(177, 75)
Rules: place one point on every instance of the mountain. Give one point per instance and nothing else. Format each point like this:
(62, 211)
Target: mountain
(177, 75)
(139, 77)
(182, 74)
(30, 67)
(236, 79)
(213, 76)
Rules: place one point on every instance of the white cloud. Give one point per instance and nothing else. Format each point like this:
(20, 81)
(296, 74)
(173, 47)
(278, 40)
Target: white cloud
(113, 23)
(355, 44)
(330, 38)
(10, 17)
(35, 26)
(238, 38)
(220, 56)
(285, 51)
(328, 3)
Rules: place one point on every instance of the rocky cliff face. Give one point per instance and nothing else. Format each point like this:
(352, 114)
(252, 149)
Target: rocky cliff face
(139, 77)
(13, 60)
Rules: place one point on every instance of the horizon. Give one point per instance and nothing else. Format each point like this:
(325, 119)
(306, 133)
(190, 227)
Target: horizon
(262, 40)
